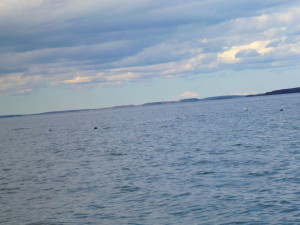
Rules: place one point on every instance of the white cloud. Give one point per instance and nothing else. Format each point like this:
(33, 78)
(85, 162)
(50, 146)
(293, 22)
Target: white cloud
(78, 80)
(16, 83)
(189, 94)
(229, 56)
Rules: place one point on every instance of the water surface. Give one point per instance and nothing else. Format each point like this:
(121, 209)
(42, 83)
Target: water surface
(191, 163)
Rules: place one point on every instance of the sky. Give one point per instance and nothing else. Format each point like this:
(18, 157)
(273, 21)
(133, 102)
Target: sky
(73, 54)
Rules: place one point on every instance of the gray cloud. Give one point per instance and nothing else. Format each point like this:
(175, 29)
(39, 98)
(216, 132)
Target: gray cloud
(97, 42)
(247, 53)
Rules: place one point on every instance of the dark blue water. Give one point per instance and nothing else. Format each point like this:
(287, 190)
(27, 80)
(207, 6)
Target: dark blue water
(191, 163)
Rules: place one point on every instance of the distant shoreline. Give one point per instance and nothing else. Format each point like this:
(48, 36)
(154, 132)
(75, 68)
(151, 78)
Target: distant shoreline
(275, 92)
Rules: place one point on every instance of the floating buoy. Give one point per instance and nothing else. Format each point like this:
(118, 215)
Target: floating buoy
(245, 109)
(281, 110)
(95, 128)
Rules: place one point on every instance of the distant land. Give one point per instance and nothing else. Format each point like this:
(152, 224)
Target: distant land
(276, 92)
(279, 92)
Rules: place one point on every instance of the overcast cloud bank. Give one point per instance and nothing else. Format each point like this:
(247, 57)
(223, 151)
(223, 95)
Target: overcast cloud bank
(94, 43)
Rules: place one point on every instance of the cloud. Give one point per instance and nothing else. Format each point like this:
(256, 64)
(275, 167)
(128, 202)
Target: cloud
(78, 80)
(247, 53)
(16, 84)
(234, 54)
(106, 43)
(189, 94)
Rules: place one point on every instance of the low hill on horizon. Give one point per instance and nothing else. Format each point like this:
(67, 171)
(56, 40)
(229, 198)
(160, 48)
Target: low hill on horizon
(279, 92)
(275, 92)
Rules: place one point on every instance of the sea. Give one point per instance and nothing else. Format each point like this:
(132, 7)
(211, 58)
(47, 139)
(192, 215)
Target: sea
(234, 161)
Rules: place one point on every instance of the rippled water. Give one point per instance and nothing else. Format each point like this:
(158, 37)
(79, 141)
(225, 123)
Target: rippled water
(191, 163)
